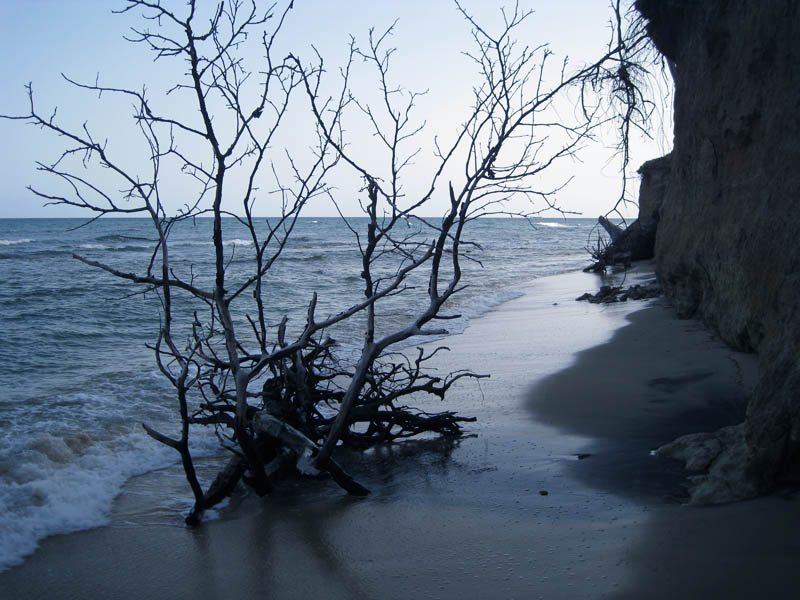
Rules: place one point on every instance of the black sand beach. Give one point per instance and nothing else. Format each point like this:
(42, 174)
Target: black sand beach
(554, 496)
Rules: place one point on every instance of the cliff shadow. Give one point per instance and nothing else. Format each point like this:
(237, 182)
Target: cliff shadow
(656, 379)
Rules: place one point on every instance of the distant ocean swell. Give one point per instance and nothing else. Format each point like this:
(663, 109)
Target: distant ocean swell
(78, 380)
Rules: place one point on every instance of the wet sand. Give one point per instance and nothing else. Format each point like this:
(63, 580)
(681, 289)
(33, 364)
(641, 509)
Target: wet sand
(555, 495)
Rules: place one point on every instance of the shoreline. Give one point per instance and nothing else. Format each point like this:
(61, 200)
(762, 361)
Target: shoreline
(517, 510)
(73, 432)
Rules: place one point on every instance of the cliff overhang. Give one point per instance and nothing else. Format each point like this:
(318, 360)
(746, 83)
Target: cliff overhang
(727, 246)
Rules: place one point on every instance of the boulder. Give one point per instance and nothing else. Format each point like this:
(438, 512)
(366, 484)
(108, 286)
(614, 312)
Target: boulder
(717, 457)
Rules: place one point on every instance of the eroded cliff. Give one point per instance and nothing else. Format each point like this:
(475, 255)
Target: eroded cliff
(728, 242)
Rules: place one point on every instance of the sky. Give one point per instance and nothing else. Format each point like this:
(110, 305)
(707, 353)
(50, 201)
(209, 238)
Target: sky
(40, 39)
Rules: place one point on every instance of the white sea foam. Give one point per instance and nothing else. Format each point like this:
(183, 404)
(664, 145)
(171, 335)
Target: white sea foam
(53, 484)
(558, 225)
(126, 246)
(15, 242)
(227, 243)
(238, 242)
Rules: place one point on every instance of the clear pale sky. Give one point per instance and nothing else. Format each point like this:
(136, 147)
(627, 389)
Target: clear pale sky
(39, 39)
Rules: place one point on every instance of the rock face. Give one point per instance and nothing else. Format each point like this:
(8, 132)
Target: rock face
(728, 242)
(652, 194)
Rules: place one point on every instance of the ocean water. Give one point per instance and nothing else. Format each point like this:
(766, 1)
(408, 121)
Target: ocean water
(78, 379)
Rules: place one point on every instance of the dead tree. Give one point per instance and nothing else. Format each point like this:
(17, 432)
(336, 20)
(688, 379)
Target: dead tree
(283, 403)
(632, 83)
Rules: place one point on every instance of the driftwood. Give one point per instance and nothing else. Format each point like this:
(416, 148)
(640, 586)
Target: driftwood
(627, 244)
(637, 240)
(614, 231)
(610, 294)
